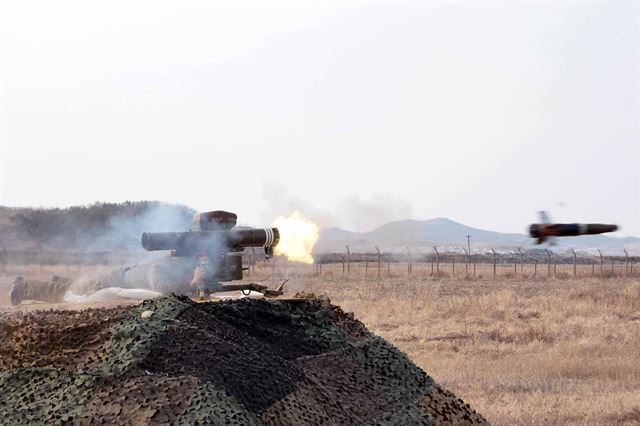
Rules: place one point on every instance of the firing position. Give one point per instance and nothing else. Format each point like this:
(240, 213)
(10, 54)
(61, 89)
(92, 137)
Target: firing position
(200, 260)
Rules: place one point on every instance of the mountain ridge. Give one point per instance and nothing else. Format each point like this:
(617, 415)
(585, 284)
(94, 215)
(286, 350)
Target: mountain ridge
(417, 234)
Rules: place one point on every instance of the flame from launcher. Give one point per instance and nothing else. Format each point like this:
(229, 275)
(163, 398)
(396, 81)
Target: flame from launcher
(298, 236)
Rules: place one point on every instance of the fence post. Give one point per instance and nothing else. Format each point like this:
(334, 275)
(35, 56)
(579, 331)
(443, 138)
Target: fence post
(612, 271)
(378, 250)
(521, 260)
(453, 267)
(535, 267)
(494, 261)
(474, 268)
(626, 262)
(466, 263)
(366, 266)
(548, 262)
(437, 259)
(601, 261)
(593, 268)
(348, 261)
(389, 266)
(409, 265)
(574, 262)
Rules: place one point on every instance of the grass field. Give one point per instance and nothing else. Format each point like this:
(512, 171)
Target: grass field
(519, 349)
(519, 352)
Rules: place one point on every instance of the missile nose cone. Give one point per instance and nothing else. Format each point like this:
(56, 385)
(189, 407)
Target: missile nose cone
(608, 228)
(600, 228)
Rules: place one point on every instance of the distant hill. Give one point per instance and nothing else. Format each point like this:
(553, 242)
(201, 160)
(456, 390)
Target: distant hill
(422, 235)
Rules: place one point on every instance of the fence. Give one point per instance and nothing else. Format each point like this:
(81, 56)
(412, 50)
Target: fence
(446, 264)
(376, 264)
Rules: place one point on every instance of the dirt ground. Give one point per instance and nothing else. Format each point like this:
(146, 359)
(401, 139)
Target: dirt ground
(519, 350)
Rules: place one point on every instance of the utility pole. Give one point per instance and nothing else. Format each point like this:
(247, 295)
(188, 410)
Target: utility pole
(494, 261)
(626, 262)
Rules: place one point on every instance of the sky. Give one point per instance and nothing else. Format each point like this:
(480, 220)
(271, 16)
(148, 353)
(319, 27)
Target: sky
(354, 113)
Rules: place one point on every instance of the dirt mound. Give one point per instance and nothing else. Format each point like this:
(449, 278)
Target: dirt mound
(173, 361)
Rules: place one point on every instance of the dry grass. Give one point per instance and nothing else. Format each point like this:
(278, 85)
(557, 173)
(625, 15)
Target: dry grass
(531, 350)
(520, 352)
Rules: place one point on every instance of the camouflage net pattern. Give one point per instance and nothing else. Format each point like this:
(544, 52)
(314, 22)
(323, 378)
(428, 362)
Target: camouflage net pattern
(241, 362)
(64, 340)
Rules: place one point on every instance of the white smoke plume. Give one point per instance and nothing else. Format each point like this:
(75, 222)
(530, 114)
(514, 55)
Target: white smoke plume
(366, 215)
(352, 213)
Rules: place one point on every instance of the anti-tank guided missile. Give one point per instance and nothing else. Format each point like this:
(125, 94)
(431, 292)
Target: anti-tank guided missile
(544, 231)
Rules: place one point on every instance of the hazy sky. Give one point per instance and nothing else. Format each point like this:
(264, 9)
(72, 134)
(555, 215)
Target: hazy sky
(359, 114)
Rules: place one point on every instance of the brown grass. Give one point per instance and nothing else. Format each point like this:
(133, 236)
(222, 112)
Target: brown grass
(521, 350)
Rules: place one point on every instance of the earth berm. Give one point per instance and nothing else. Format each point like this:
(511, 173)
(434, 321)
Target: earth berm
(174, 361)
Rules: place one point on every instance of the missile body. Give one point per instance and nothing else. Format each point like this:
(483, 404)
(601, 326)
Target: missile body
(542, 231)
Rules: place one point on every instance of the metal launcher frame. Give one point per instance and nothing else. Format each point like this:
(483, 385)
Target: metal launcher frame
(217, 241)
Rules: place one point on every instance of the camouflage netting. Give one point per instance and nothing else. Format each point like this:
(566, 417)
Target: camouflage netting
(174, 361)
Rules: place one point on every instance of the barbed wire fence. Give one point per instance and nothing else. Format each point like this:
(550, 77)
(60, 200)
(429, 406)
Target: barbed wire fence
(376, 264)
(439, 263)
